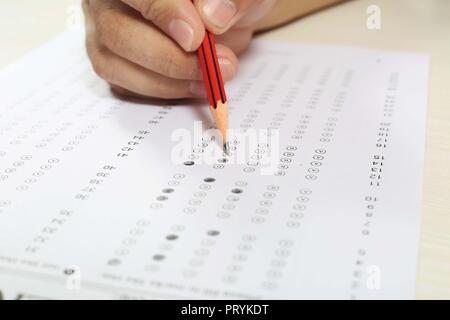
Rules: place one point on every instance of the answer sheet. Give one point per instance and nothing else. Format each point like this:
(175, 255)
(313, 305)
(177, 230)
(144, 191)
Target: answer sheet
(99, 197)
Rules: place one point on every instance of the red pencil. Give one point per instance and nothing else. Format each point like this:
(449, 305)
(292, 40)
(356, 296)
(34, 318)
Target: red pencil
(214, 85)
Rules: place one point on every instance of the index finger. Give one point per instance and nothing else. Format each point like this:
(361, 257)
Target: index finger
(177, 18)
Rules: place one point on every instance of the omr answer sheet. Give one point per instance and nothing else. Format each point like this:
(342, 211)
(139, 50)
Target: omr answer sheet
(106, 198)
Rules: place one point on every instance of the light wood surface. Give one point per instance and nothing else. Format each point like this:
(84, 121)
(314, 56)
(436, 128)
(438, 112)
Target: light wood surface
(407, 25)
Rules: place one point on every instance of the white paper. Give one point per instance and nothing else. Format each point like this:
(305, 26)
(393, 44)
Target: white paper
(81, 214)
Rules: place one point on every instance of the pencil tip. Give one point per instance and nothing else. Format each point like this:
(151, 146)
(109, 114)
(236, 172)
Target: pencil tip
(225, 149)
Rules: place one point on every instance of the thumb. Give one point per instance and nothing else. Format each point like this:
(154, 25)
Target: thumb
(220, 15)
(177, 18)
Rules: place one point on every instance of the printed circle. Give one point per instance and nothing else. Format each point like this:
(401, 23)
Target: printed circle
(274, 274)
(195, 202)
(313, 170)
(282, 252)
(165, 247)
(196, 262)
(234, 268)
(273, 188)
(296, 215)
(200, 194)
(257, 220)
(262, 211)
(241, 183)
(190, 273)
(205, 187)
(177, 227)
(318, 157)
(233, 198)
(228, 206)
(208, 242)
(143, 223)
(156, 206)
(114, 262)
(189, 210)
(278, 263)
(122, 251)
(265, 203)
(202, 252)
(286, 243)
(293, 224)
(321, 151)
(249, 237)
(239, 257)
(302, 199)
(129, 241)
(244, 247)
(22, 188)
(223, 215)
(299, 207)
(269, 195)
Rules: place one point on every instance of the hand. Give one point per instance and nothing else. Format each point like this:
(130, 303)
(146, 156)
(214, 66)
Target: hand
(147, 47)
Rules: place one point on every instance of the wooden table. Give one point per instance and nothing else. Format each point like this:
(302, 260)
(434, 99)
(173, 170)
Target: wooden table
(407, 25)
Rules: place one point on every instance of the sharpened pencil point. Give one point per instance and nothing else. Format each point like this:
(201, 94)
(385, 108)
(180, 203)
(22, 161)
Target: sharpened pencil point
(225, 149)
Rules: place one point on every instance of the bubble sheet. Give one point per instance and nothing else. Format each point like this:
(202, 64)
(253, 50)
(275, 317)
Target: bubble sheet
(93, 204)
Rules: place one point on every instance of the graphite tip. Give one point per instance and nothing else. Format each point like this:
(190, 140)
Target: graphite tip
(226, 149)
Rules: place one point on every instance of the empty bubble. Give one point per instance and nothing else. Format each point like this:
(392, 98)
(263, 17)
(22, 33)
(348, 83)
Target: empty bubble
(114, 262)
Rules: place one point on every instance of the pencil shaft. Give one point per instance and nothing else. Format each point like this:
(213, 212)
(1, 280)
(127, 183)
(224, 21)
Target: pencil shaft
(214, 84)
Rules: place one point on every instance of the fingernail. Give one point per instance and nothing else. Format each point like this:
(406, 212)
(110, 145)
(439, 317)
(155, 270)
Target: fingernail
(227, 69)
(219, 12)
(182, 33)
(197, 88)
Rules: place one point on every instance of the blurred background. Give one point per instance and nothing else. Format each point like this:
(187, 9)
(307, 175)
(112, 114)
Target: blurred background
(411, 25)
